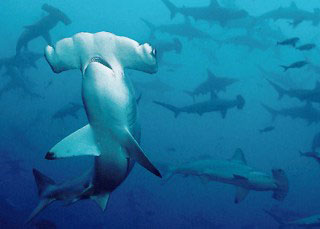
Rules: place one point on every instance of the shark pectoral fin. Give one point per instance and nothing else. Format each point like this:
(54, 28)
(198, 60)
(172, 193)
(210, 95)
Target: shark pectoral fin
(46, 36)
(135, 152)
(241, 194)
(101, 200)
(43, 204)
(223, 113)
(79, 143)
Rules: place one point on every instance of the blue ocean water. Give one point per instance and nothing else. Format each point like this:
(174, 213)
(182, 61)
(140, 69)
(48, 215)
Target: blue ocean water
(40, 108)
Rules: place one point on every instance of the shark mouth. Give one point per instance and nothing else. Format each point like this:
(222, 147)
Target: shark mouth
(99, 60)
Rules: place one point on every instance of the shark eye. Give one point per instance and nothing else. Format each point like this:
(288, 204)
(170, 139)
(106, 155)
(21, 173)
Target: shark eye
(154, 53)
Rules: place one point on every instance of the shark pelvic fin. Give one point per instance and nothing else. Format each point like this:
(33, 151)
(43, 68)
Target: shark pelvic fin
(101, 200)
(241, 194)
(238, 157)
(79, 143)
(135, 152)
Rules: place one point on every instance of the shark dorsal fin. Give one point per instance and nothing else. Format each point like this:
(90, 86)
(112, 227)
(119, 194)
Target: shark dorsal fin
(238, 157)
(214, 4)
(293, 5)
(210, 74)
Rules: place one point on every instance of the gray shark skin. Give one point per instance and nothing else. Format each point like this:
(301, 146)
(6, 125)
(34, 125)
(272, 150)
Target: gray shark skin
(164, 46)
(294, 14)
(235, 171)
(307, 222)
(25, 60)
(306, 112)
(18, 81)
(314, 155)
(306, 47)
(289, 42)
(42, 27)
(211, 13)
(213, 85)
(183, 30)
(212, 105)
(297, 64)
(315, 142)
(113, 133)
(306, 95)
(70, 109)
(266, 129)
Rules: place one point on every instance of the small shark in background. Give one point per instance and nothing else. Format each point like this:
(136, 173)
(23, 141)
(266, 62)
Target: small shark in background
(70, 109)
(294, 14)
(297, 64)
(42, 27)
(18, 81)
(286, 214)
(25, 60)
(315, 142)
(307, 95)
(214, 104)
(289, 42)
(314, 155)
(213, 85)
(306, 47)
(307, 222)
(266, 129)
(235, 171)
(306, 112)
(182, 29)
(211, 13)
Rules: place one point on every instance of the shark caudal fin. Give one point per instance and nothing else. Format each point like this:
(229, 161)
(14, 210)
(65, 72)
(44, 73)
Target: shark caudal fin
(240, 102)
(171, 7)
(282, 182)
(281, 91)
(177, 45)
(285, 68)
(272, 111)
(172, 108)
(43, 183)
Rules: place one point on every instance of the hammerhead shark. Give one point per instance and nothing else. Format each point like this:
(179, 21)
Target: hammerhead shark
(42, 27)
(182, 29)
(294, 14)
(213, 85)
(234, 171)
(211, 13)
(70, 109)
(214, 104)
(308, 95)
(306, 112)
(113, 133)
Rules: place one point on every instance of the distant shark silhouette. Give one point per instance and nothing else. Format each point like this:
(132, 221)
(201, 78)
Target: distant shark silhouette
(234, 171)
(42, 27)
(70, 109)
(113, 132)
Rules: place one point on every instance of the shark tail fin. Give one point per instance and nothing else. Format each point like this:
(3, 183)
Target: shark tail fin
(282, 182)
(177, 45)
(285, 68)
(171, 7)
(272, 111)
(281, 91)
(240, 102)
(275, 217)
(172, 108)
(43, 182)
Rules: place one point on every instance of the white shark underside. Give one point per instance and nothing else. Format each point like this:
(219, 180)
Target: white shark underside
(113, 132)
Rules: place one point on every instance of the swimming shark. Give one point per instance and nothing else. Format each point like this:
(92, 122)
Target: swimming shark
(213, 85)
(113, 132)
(211, 13)
(234, 171)
(306, 112)
(294, 14)
(180, 29)
(266, 129)
(306, 47)
(42, 27)
(70, 109)
(313, 154)
(308, 95)
(289, 42)
(306, 222)
(297, 64)
(214, 104)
